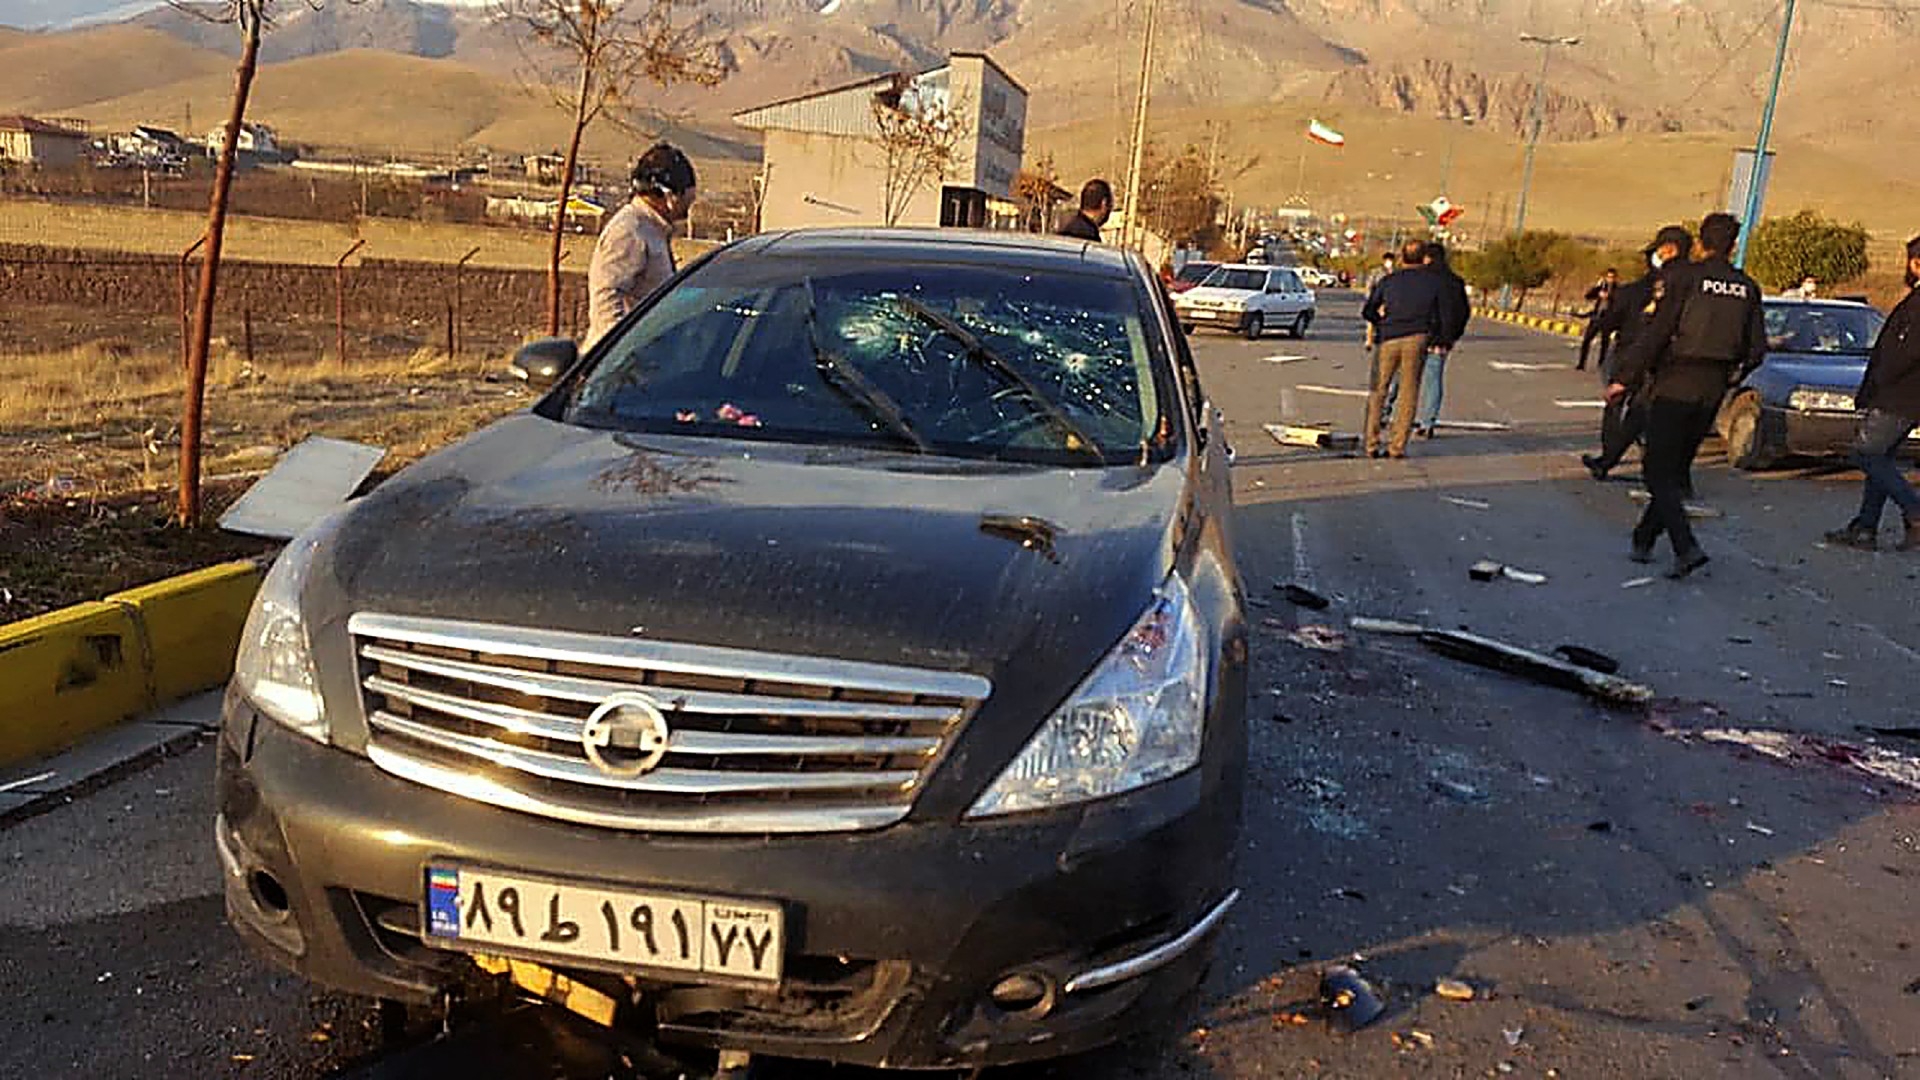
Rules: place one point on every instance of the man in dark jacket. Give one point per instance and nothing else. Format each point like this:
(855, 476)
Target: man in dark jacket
(1096, 206)
(1404, 312)
(1625, 418)
(1455, 310)
(1602, 298)
(1890, 398)
(1706, 327)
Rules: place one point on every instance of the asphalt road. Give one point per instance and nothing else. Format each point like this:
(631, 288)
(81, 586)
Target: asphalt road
(1627, 897)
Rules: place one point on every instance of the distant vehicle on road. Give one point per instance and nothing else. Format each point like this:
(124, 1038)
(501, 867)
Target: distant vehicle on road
(1318, 278)
(1799, 401)
(1190, 276)
(1249, 299)
(844, 659)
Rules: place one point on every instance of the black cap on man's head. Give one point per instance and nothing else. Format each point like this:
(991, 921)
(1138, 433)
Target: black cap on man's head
(1671, 234)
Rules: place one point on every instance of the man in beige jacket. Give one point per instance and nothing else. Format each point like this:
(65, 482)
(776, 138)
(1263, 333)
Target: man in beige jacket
(634, 255)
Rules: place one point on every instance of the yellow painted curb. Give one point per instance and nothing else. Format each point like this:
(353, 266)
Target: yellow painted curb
(192, 623)
(65, 675)
(69, 673)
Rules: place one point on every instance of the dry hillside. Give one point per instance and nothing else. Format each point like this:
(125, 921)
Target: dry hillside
(61, 73)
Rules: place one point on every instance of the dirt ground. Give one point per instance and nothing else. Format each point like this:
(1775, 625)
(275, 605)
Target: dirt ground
(90, 439)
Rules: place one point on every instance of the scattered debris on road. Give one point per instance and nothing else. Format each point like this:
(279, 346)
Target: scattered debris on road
(1515, 365)
(1349, 998)
(1367, 624)
(1698, 511)
(1565, 403)
(1589, 659)
(1513, 1035)
(1312, 438)
(1472, 425)
(1760, 829)
(1454, 989)
(1301, 596)
(1286, 358)
(1487, 570)
(1797, 748)
(1471, 504)
(1317, 637)
(1336, 391)
(1637, 582)
(1539, 667)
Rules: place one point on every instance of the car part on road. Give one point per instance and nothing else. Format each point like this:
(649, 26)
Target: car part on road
(1487, 570)
(1312, 438)
(1454, 989)
(1349, 999)
(1318, 638)
(1547, 670)
(1301, 596)
(1372, 625)
(1589, 659)
(1797, 748)
(311, 480)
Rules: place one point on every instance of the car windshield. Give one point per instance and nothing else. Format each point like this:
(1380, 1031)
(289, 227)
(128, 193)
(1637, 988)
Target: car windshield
(1832, 329)
(1196, 272)
(965, 361)
(1228, 277)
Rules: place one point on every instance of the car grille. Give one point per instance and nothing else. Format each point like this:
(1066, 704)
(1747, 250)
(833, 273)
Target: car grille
(759, 742)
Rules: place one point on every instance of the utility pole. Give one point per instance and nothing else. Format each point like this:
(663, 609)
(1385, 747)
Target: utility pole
(1453, 142)
(1134, 224)
(1750, 218)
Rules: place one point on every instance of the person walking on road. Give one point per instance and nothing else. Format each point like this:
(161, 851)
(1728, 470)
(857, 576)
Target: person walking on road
(634, 255)
(1379, 273)
(1455, 310)
(1707, 327)
(1096, 207)
(1625, 418)
(1601, 297)
(1404, 312)
(1890, 397)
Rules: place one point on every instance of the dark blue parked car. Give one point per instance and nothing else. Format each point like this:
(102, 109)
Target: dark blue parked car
(1800, 400)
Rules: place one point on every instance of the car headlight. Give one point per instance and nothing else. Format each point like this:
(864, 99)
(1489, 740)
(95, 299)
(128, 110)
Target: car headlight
(1814, 399)
(1136, 720)
(274, 667)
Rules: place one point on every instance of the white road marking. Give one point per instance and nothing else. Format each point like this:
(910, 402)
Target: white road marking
(1286, 358)
(1473, 425)
(1514, 365)
(27, 781)
(1471, 504)
(1302, 569)
(1566, 404)
(1337, 391)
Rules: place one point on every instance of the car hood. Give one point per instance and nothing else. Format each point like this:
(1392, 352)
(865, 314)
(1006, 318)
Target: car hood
(1216, 294)
(1788, 370)
(854, 554)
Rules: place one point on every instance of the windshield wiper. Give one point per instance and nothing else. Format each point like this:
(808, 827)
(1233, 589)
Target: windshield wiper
(852, 383)
(974, 348)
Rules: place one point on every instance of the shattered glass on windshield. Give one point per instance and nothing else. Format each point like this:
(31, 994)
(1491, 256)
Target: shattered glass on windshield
(958, 360)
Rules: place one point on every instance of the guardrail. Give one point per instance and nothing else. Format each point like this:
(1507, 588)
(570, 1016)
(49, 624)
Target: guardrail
(1563, 327)
(69, 673)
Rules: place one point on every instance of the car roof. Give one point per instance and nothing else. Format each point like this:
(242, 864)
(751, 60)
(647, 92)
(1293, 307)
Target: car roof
(1815, 301)
(1262, 267)
(974, 247)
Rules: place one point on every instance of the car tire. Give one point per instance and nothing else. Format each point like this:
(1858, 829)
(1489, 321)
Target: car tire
(1746, 445)
(1256, 326)
(1301, 322)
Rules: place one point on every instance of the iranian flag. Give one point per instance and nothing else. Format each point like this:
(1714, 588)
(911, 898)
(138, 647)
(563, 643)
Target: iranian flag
(1440, 212)
(1321, 133)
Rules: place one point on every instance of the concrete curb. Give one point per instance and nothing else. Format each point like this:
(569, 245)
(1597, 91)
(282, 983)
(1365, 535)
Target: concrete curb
(1562, 327)
(70, 673)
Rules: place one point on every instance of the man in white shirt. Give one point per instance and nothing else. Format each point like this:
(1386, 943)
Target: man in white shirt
(634, 255)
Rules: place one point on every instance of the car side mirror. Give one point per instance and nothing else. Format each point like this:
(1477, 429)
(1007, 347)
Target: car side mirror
(540, 363)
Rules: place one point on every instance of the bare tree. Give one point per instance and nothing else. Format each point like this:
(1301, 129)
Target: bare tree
(589, 55)
(252, 18)
(1037, 191)
(919, 136)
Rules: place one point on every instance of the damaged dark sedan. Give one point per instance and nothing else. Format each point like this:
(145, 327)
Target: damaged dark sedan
(844, 660)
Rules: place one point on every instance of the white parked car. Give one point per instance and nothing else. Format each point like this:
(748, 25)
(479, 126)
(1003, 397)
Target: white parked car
(1249, 300)
(1318, 278)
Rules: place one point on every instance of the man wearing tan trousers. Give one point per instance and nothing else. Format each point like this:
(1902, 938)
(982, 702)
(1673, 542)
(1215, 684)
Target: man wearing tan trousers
(1404, 312)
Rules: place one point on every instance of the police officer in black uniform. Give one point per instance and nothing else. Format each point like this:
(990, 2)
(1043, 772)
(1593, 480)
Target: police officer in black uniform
(1625, 419)
(1704, 332)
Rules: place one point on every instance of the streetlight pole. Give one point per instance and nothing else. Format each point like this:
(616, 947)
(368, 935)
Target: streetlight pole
(1538, 118)
(1539, 105)
(1133, 221)
(1750, 218)
(1453, 142)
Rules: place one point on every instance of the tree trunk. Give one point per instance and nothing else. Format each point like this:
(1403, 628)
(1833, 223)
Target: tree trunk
(581, 115)
(189, 509)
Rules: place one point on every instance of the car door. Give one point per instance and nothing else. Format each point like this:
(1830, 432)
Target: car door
(1274, 299)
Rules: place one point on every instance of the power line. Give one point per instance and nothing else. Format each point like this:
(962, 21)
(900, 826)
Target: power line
(1727, 60)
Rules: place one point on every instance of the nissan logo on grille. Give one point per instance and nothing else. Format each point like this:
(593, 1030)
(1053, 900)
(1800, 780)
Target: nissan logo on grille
(626, 736)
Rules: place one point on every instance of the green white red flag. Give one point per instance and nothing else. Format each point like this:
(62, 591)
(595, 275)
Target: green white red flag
(1321, 133)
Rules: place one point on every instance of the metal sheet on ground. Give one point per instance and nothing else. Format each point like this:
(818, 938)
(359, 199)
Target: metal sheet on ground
(311, 479)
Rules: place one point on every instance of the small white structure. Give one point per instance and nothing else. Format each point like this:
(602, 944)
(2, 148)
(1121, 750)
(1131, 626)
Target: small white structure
(256, 139)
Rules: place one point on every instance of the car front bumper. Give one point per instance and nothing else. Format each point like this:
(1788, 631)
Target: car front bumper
(1218, 318)
(895, 937)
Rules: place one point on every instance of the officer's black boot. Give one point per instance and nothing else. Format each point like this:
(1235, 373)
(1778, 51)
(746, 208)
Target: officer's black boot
(1685, 564)
(1855, 535)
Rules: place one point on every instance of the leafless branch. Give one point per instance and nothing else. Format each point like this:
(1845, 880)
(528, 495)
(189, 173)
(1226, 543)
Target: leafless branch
(919, 136)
